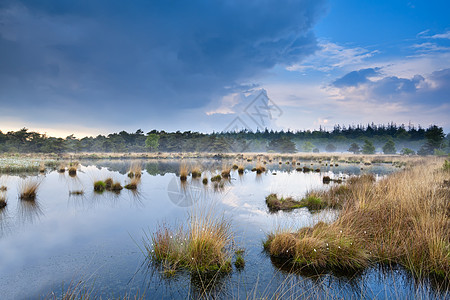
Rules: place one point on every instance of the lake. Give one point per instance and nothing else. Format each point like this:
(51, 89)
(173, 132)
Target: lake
(61, 238)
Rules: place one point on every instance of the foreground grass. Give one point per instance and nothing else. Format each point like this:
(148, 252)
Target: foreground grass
(401, 219)
(205, 246)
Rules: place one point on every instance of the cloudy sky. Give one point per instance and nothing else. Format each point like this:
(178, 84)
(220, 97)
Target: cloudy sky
(90, 67)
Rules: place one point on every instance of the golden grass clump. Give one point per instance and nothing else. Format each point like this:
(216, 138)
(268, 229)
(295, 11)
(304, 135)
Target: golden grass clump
(62, 168)
(260, 168)
(3, 188)
(241, 169)
(133, 184)
(108, 183)
(403, 219)
(42, 167)
(135, 170)
(184, 171)
(28, 189)
(226, 170)
(73, 170)
(116, 187)
(3, 201)
(204, 246)
(196, 172)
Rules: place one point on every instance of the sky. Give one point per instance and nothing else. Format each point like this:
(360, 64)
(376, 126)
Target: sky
(96, 67)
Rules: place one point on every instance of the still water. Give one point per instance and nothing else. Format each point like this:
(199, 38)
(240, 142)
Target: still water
(62, 238)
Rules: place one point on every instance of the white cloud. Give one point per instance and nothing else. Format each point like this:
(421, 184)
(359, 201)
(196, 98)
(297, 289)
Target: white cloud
(333, 56)
(445, 35)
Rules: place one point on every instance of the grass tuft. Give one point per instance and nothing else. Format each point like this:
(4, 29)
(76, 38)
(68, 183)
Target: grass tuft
(99, 186)
(134, 182)
(204, 246)
(196, 172)
(216, 178)
(28, 189)
(184, 171)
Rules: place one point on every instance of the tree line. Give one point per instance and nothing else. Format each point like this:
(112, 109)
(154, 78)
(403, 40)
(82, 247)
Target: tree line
(368, 139)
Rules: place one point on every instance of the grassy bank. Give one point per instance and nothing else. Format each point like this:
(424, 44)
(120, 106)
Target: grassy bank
(402, 219)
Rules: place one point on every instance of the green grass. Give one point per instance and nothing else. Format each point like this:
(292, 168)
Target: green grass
(312, 202)
(274, 203)
(99, 186)
(216, 178)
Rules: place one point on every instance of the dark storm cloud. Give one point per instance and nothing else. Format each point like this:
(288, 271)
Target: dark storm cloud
(152, 55)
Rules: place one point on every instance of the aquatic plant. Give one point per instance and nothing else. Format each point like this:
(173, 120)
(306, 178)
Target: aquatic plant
(216, 178)
(61, 168)
(239, 261)
(73, 171)
(204, 246)
(28, 189)
(133, 184)
(99, 186)
(260, 168)
(2, 200)
(3, 188)
(116, 187)
(135, 170)
(226, 171)
(76, 192)
(108, 183)
(205, 180)
(400, 219)
(241, 169)
(196, 172)
(184, 171)
(275, 203)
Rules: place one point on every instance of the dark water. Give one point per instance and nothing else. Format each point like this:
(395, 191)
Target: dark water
(62, 238)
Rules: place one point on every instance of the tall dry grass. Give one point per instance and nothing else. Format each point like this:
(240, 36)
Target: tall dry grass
(184, 171)
(135, 170)
(403, 219)
(28, 189)
(205, 245)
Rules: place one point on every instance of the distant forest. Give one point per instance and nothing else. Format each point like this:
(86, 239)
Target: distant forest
(366, 139)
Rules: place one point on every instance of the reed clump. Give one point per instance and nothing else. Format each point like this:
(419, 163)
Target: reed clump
(73, 171)
(402, 219)
(108, 183)
(184, 171)
(135, 170)
(226, 170)
(275, 203)
(241, 169)
(99, 186)
(3, 202)
(133, 184)
(76, 192)
(216, 178)
(3, 188)
(116, 187)
(28, 189)
(62, 168)
(204, 246)
(260, 168)
(196, 172)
